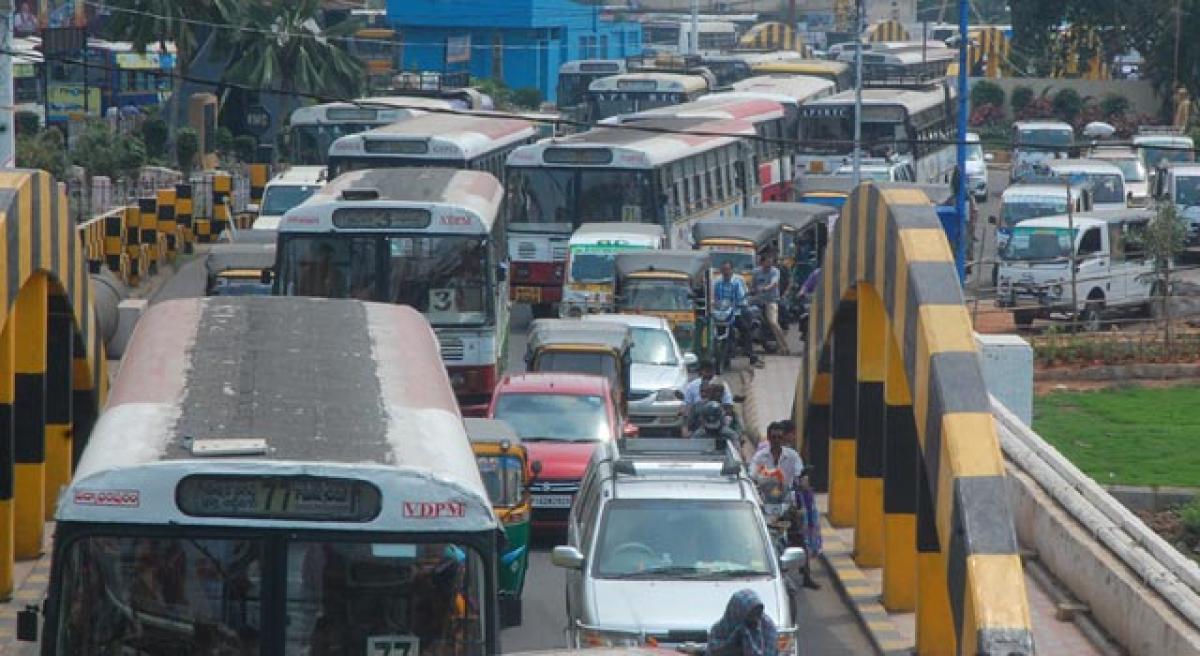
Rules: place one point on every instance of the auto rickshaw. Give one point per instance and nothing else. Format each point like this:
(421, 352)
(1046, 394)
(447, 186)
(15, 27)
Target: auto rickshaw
(669, 284)
(506, 472)
(804, 232)
(737, 241)
(575, 346)
(236, 269)
(831, 190)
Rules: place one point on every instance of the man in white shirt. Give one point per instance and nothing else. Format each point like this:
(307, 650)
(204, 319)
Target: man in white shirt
(692, 392)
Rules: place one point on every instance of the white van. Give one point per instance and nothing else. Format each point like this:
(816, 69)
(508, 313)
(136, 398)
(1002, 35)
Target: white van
(590, 276)
(1113, 271)
(287, 190)
(1179, 183)
(1104, 179)
(1024, 201)
(1037, 142)
(1137, 187)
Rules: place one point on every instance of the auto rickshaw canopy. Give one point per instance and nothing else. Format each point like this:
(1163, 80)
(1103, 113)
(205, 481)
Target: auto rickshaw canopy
(759, 232)
(692, 264)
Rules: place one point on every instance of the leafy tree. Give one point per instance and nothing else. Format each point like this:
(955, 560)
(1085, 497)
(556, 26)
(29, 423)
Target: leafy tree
(1020, 99)
(187, 147)
(224, 140)
(45, 150)
(27, 123)
(100, 151)
(527, 97)
(501, 95)
(987, 93)
(245, 147)
(1067, 104)
(1113, 105)
(1165, 238)
(155, 135)
(301, 59)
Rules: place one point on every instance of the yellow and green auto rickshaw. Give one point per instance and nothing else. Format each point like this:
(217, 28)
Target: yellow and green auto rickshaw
(576, 346)
(737, 241)
(506, 472)
(672, 284)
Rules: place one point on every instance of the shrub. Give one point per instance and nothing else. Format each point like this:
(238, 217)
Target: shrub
(986, 115)
(1035, 109)
(45, 150)
(1067, 104)
(100, 151)
(27, 123)
(1114, 105)
(224, 140)
(528, 97)
(1189, 516)
(1020, 99)
(987, 93)
(187, 146)
(154, 135)
(245, 147)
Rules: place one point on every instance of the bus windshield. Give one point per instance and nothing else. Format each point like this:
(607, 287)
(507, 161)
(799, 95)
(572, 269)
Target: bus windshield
(1045, 138)
(606, 104)
(592, 267)
(1187, 190)
(576, 196)
(1152, 156)
(832, 135)
(572, 88)
(444, 277)
(157, 595)
(661, 295)
(1030, 243)
(310, 143)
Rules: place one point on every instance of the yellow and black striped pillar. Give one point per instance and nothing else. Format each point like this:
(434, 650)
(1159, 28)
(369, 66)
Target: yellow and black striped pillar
(222, 197)
(183, 216)
(59, 365)
(84, 403)
(114, 239)
(259, 175)
(815, 450)
(148, 230)
(8, 531)
(935, 623)
(166, 218)
(133, 242)
(29, 416)
(899, 487)
(843, 485)
(868, 525)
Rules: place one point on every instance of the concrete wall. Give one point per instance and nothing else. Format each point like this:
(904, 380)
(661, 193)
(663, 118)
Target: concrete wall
(1008, 371)
(1141, 93)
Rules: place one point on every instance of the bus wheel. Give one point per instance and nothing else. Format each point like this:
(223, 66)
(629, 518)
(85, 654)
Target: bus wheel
(542, 310)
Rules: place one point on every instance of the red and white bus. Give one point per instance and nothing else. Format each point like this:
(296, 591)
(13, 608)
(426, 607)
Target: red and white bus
(772, 122)
(698, 168)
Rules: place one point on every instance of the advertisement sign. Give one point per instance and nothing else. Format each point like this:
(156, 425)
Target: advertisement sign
(132, 61)
(67, 99)
(458, 49)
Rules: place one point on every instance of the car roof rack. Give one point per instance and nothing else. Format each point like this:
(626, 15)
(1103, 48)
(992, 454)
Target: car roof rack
(675, 457)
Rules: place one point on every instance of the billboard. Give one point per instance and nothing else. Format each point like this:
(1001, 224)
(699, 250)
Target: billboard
(32, 16)
(458, 49)
(65, 99)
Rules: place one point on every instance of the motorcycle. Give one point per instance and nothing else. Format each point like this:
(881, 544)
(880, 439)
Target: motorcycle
(724, 341)
(760, 333)
(778, 504)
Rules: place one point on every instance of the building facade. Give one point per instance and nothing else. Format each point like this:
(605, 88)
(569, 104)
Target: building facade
(522, 42)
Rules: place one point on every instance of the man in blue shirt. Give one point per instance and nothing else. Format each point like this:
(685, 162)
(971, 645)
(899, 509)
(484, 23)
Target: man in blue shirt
(729, 287)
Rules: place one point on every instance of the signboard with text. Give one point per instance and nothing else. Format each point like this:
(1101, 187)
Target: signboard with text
(64, 100)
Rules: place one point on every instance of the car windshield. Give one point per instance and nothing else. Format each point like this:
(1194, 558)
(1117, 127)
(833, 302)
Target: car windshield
(1015, 210)
(278, 199)
(503, 476)
(175, 595)
(1131, 168)
(226, 286)
(660, 295)
(1152, 156)
(1106, 188)
(975, 152)
(653, 346)
(443, 277)
(1029, 243)
(680, 538)
(1187, 190)
(574, 196)
(592, 267)
(1055, 138)
(565, 417)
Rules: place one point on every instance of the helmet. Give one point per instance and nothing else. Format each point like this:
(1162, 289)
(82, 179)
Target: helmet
(713, 416)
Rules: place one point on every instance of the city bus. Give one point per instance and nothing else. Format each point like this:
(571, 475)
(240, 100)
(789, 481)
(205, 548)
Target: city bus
(840, 73)
(443, 140)
(770, 121)
(313, 129)
(630, 93)
(616, 173)
(429, 238)
(275, 476)
(673, 36)
(902, 62)
(573, 80)
(914, 124)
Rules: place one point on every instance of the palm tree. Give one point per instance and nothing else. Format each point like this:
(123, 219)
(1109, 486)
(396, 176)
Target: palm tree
(143, 22)
(282, 47)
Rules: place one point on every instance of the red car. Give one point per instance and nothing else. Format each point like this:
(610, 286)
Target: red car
(561, 418)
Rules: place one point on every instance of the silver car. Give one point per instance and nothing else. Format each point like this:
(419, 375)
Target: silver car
(659, 541)
(658, 375)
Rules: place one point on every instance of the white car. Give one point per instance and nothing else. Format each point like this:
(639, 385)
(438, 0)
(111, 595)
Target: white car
(977, 174)
(658, 374)
(287, 190)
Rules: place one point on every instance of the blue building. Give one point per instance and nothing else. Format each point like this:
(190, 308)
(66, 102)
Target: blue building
(522, 42)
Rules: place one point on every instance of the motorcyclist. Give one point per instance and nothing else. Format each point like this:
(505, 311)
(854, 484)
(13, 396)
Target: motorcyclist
(732, 289)
(779, 461)
(712, 426)
(766, 288)
(712, 390)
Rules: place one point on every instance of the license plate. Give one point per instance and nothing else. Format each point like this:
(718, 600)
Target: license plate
(551, 501)
(528, 294)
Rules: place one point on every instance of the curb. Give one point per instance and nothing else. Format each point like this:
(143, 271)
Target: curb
(861, 594)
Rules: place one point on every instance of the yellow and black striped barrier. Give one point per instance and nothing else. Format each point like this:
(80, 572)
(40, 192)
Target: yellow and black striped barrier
(222, 201)
(888, 30)
(913, 457)
(773, 36)
(52, 366)
(259, 175)
(95, 239)
(167, 227)
(183, 215)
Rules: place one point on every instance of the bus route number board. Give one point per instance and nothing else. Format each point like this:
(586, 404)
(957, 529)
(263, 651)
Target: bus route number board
(394, 645)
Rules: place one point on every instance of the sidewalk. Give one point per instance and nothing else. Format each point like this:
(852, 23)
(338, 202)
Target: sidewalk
(769, 397)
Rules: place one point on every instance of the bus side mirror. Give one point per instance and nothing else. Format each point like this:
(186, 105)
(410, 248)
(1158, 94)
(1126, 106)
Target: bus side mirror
(266, 276)
(27, 624)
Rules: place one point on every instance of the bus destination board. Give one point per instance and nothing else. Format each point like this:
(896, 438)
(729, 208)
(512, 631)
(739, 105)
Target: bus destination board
(306, 498)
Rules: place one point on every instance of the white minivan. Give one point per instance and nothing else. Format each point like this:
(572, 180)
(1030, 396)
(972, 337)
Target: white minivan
(1104, 179)
(1113, 271)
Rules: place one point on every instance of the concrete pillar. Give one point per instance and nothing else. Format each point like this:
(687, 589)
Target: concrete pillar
(7, 462)
(166, 218)
(868, 525)
(843, 484)
(935, 622)
(59, 364)
(815, 449)
(899, 487)
(29, 406)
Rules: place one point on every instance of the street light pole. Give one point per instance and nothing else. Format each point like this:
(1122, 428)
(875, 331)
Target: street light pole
(960, 194)
(859, 27)
(694, 37)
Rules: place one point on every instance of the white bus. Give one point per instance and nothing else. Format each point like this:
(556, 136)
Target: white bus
(914, 124)
(442, 140)
(770, 121)
(429, 238)
(574, 78)
(314, 128)
(673, 36)
(275, 476)
(620, 174)
(637, 92)
(902, 62)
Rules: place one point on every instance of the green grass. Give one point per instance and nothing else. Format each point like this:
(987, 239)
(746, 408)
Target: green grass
(1128, 436)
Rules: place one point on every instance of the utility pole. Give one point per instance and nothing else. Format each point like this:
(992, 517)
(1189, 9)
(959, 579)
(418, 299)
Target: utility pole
(8, 150)
(960, 194)
(1175, 59)
(791, 14)
(859, 27)
(694, 37)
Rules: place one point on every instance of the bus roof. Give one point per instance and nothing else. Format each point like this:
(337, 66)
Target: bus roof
(912, 100)
(643, 81)
(820, 67)
(437, 136)
(369, 111)
(712, 106)
(635, 148)
(1044, 124)
(593, 66)
(457, 200)
(1085, 166)
(331, 388)
(636, 233)
(798, 87)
